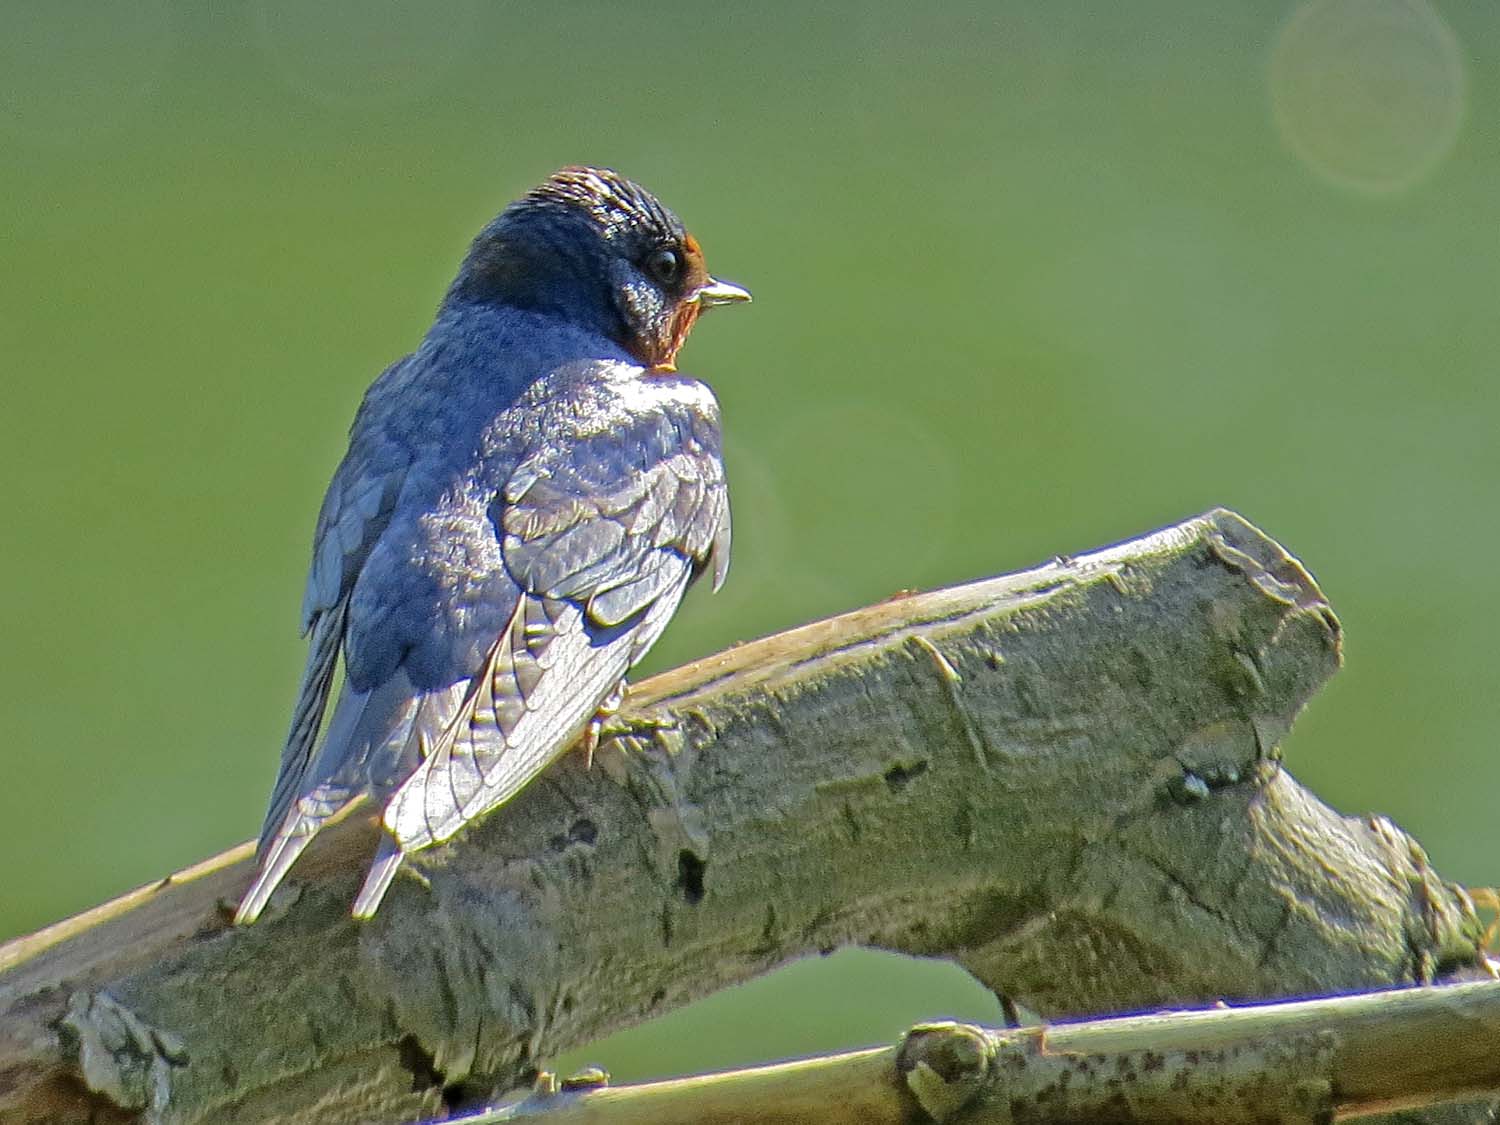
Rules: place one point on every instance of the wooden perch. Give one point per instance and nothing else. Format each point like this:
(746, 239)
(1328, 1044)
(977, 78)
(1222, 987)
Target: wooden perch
(1302, 1063)
(1065, 780)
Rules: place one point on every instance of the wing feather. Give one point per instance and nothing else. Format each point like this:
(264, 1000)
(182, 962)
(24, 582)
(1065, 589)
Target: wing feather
(307, 714)
(355, 511)
(603, 552)
(599, 530)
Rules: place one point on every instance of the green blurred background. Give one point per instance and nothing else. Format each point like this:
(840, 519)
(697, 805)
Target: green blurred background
(1029, 278)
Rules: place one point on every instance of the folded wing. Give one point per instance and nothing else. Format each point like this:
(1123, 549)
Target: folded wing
(603, 535)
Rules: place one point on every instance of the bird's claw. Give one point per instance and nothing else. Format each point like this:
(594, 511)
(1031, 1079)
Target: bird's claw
(608, 707)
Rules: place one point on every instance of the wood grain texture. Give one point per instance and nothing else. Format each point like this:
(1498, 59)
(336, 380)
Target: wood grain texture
(1065, 779)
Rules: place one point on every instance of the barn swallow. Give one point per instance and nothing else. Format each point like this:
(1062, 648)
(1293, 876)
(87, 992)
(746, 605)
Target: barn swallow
(525, 499)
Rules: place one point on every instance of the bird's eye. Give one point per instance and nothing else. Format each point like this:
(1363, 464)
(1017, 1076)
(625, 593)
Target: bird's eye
(665, 266)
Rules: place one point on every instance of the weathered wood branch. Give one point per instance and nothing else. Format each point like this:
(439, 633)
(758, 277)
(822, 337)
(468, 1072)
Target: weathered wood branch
(1063, 779)
(1300, 1063)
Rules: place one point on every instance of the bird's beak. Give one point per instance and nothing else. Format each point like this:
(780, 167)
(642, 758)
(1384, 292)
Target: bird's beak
(720, 293)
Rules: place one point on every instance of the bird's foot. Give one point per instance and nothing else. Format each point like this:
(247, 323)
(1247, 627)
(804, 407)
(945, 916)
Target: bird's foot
(592, 733)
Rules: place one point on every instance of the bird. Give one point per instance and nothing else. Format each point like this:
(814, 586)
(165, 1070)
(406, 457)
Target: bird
(524, 501)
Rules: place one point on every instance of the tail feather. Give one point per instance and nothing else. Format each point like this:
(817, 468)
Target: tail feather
(387, 860)
(307, 717)
(276, 859)
(280, 850)
(374, 740)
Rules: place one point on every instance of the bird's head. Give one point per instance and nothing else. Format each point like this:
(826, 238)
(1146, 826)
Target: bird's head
(596, 249)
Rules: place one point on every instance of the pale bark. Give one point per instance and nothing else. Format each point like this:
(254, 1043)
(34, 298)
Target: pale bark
(1064, 779)
(1300, 1063)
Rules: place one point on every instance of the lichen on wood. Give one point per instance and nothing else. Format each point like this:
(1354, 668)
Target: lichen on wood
(1065, 779)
